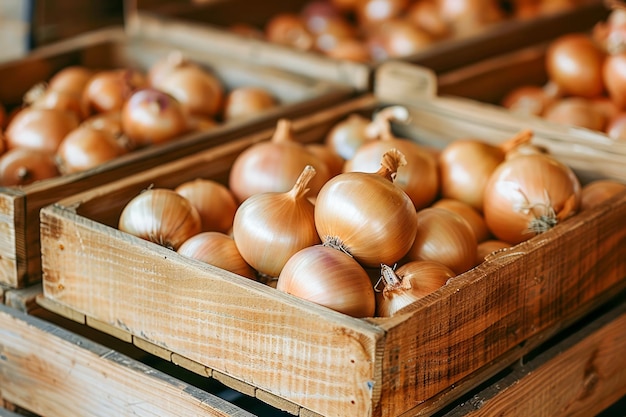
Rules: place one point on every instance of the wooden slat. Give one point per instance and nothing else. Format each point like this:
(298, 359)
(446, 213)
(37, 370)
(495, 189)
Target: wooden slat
(580, 376)
(54, 373)
(23, 299)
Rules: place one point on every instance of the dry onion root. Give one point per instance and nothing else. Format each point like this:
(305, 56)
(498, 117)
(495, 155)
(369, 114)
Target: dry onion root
(367, 215)
(409, 283)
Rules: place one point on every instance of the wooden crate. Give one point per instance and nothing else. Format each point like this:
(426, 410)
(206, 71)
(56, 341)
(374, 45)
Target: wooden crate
(52, 371)
(318, 360)
(214, 17)
(112, 48)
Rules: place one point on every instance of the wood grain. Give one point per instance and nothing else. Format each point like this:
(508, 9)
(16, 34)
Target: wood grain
(46, 369)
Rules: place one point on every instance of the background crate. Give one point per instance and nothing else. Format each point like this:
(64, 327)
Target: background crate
(225, 325)
(19, 206)
(216, 16)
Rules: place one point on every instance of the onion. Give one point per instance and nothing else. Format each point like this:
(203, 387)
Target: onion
(373, 12)
(419, 178)
(616, 127)
(151, 117)
(574, 62)
(166, 65)
(597, 192)
(397, 38)
(85, 148)
(333, 162)
(425, 15)
(22, 166)
(247, 101)
(108, 90)
(487, 247)
(528, 195)
(214, 202)
(40, 129)
(290, 30)
(409, 283)
(367, 215)
(348, 135)
(46, 98)
(275, 165)
(331, 278)
(161, 216)
(271, 227)
(473, 217)
(528, 100)
(443, 236)
(614, 76)
(349, 49)
(72, 79)
(465, 166)
(217, 249)
(465, 17)
(576, 111)
(199, 92)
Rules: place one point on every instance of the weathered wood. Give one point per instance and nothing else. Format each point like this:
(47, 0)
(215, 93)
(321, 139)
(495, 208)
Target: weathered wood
(20, 264)
(580, 376)
(321, 360)
(54, 372)
(23, 299)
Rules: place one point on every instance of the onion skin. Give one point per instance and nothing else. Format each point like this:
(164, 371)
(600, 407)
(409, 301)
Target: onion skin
(487, 247)
(217, 249)
(72, 79)
(614, 75)
(244, 102)
(474, 218)
(23, 166)
(331, 278)
(40, 129)
(528, 195)
(161, 216)
(576, 111)
(271, 227)
(575, 63)
(348, 135)
(85, 148)
(409, 283)
(214, 202)
(443, 236)
(108, 90)
(597, 192)
(367, 214)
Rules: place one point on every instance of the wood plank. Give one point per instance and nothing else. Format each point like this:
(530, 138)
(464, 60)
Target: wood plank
(24, 299)
(49, 368)
(580, 376)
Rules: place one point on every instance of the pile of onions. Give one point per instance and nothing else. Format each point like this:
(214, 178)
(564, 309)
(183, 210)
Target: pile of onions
(80, 113)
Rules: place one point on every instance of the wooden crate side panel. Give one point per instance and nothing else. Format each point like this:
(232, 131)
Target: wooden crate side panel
(12, 245)
(491, 309)
(56, 373)
(580, 376)
(292, 349)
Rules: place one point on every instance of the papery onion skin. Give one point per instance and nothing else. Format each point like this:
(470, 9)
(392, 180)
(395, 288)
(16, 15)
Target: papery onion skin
(474, 218)
(271, 227)
(85, 148)
(348, 135)
(576, 111)
(487, 247)
(443, 236)
(72, 79)
(614, 73)
(247, 101)
(597, 192)
(274, 166)
(23, 166)
(409, 283)
(108, 90)
(40, 129)
(367, 214)
(161, 216)
(331, 278)
(214, 202)
(528, 195)
(217, 249)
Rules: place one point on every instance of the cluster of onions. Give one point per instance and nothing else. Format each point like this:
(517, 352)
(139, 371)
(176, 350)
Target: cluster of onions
(586, 80)
(374, 30)
(81, 117)
(358, 242)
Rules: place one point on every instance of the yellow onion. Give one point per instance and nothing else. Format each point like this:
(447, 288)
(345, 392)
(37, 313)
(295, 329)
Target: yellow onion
(419, 178)
(598, 191)
(465, 166)
(366, 214)
(473, 217)
(86, 147)
(161, 216)
(348, 135)
(331, 278)
(270, 227)
(488, 247)
(528, 195)
(214, 202)
(217, 249)
(409, 283)
(443, 236)
(247, 101)
(275, 165)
